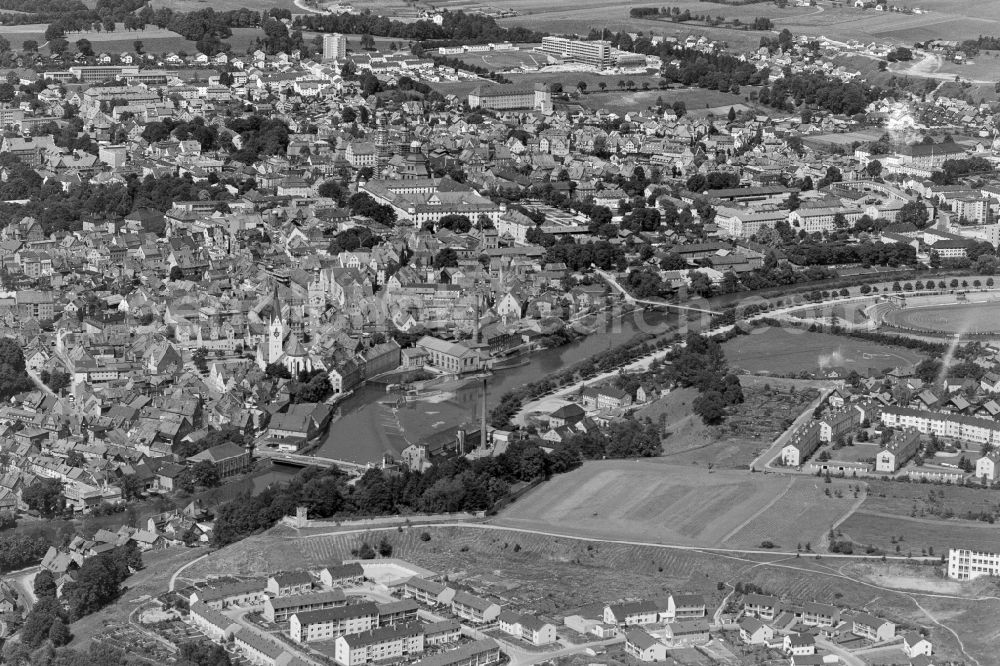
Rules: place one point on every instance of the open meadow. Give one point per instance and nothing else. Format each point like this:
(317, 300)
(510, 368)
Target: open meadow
(944, 19)
(785, 350)
(921, 518)
(226, 5)
(918, 536)
(698, 101)
(555, 576)
(653, 501)
(921, 500)
(154, 39)
(749, 428)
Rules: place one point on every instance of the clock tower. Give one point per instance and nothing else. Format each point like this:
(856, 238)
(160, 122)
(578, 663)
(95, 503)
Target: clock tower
(275, 340)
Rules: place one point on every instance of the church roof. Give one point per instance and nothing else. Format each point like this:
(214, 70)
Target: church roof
(294, 347)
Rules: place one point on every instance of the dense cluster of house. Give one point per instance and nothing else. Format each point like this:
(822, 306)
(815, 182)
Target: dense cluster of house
(905, 422)
(650, 626)
(313, 612)
(794, 628)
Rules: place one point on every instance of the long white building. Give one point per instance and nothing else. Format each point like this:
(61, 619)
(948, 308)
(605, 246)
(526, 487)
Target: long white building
(954, 426)
(968, 564)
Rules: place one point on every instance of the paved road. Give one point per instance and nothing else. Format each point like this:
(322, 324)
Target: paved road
(772, 451)
(519, 657)
(239, 615)
(650, 544)
(845, 656)
(173, 578)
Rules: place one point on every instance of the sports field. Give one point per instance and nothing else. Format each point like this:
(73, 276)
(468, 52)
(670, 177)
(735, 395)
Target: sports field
(782, 350)
(653, 501)
(959, 318)
(506, 60)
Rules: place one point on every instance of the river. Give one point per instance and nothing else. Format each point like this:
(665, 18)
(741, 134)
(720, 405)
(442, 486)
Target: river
(367, 427)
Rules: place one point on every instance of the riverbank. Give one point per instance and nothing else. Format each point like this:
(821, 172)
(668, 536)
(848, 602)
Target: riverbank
(368, 429)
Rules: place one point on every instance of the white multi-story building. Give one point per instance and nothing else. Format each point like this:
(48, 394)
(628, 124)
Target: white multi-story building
(744, 223)
(968, 564)
(334, 46)
(329, 623)
(392, 642)
(986, 467)
(596, 53)
(954, 426)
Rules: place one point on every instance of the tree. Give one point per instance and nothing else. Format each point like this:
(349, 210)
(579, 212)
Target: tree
(39, 621)
(45, 496)
(204, 653)
(138, 46)
(874, 169)
(84, 47)
(200, 359)
(58, 380)
(205, 474)
(731, 115)
(711, 407)
(44, 584)
(913, 212)
(29, 45)
(98, 581)
(59, 633)
(385, 547)
(446, 258)
(58, 46)
(176, 273)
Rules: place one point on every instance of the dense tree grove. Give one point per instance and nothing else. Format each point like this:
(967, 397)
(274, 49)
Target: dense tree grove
(701, 363)
(580, 255)
(818, 90)
(457, 27)
(13, 373)
(453, 485)
(718, 71)
(18, 550)
(621, 439)
(259, 137)
(952, 170)
(45, 496)
(869, 254)
(98, 581)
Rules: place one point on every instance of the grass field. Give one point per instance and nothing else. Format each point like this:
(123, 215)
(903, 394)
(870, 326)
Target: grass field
(225, 5)
(781, 350)
(697, 100)
(964, 318)
(149, 582)
(945, 19)
(154, 40)
(654, 501)
(749, 429)
(918, 535)
(921, 500)
(504, 60)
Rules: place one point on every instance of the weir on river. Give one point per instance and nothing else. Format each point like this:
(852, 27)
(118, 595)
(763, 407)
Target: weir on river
(370, 424)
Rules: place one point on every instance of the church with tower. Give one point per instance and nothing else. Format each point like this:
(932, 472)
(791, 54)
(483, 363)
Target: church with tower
(283, 347)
